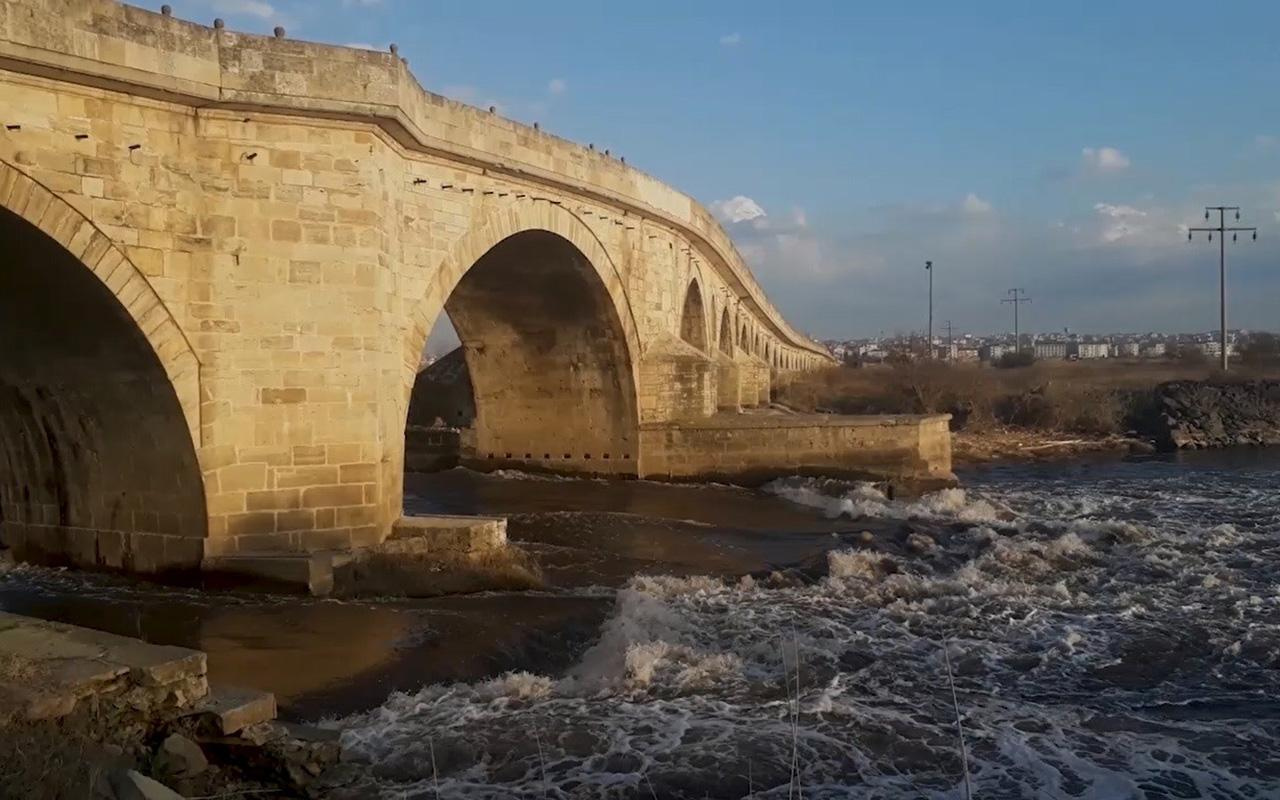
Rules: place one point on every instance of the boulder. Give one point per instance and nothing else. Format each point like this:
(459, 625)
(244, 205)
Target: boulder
(921, 543)
(179, 757)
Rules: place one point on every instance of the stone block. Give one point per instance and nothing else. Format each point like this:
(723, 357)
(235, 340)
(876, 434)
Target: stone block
(232, 709)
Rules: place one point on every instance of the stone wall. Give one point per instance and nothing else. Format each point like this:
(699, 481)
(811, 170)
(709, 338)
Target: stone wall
(914, 450)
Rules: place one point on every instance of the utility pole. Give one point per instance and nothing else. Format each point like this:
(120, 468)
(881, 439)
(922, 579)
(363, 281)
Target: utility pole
(951, 351)
(1222, 230)
(1017, 297)
(928, 267)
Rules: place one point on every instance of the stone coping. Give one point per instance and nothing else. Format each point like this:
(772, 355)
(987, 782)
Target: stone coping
(758, 421)
(118, 47)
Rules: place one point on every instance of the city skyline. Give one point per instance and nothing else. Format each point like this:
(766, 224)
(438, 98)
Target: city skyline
(842, 146)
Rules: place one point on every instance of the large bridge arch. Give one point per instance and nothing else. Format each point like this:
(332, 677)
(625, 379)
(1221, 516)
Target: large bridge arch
(99, 397)
(532, 292)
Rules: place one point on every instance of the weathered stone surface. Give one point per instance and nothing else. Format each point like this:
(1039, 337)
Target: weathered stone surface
(233, 708)
(65, 664)
(1203, 414)
(443, 534)
(179, 757)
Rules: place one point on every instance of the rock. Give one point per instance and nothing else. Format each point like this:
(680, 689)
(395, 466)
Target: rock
(921, 543)
(866, 538)
(179, 757)
(132, 785)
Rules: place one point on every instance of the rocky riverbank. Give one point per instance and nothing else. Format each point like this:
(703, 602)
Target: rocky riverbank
(89, 714)
(1190, 415)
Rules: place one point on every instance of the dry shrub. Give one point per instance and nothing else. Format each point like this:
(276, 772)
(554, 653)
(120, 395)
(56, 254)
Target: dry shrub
(1085, 397)
(429, 575)
(49, 760)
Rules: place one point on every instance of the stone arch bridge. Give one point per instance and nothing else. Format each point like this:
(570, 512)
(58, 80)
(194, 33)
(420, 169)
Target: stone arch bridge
(223, 254)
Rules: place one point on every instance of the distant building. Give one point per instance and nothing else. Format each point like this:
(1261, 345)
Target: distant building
(1128, 350)
(993, 352)
(1050, 350)
(1092, 350)
(1154, 350)
(966, 354)
(1215, 348)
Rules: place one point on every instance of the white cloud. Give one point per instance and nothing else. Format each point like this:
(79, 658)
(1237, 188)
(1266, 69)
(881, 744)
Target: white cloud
(252, 8)
(1118, 211)
(1104, 159)
(557, 86)
(731, 39)
(975, 205)
(737, 209)
(1265, 141)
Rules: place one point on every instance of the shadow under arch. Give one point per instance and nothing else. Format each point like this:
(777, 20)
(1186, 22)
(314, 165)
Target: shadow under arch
(693, 317)
(549, 340)
(98, 398)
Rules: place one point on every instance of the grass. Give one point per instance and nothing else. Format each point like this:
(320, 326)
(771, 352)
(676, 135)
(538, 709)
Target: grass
(431, 575)
(50, 760)
(1092, 398)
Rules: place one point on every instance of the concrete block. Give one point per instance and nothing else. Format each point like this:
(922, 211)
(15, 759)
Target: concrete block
(232, 709)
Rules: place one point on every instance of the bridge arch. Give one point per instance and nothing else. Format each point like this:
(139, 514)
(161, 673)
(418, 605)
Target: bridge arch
(693, 317)
(549, 339)
(726, 333)
(99, 397)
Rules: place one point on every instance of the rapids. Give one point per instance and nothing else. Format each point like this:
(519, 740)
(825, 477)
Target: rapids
(1113, 631)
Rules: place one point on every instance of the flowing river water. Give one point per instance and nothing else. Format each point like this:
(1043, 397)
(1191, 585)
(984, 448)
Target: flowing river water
(1112, 630)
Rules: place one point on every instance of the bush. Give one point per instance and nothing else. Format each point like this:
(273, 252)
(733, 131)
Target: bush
(1188, 354)
(1023, 358)
(1260, 348)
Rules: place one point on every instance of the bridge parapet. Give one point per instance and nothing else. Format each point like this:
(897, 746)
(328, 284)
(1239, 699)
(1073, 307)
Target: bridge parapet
(106, 44)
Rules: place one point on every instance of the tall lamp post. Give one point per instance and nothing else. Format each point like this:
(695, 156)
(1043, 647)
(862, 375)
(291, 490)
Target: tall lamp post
(1222, 230)
(928, 267)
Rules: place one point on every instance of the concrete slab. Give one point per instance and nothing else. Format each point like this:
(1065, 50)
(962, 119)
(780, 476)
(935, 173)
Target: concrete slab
(445, 534)
(51, 666)
(232, 709)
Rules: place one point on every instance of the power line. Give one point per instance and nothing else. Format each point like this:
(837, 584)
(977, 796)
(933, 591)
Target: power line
(1222, 230)
(1017, 297)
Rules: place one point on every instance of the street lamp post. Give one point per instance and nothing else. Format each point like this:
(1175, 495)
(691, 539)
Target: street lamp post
(1222, 230)
(928, 267)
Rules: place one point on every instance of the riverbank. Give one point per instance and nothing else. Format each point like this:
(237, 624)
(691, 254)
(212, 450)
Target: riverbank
(1011, 445)
(1053, 410)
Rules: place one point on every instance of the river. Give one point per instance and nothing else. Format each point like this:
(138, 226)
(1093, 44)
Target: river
(1112, 630)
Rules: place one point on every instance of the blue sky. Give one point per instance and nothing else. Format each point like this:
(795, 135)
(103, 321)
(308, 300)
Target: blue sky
(1053, 146)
